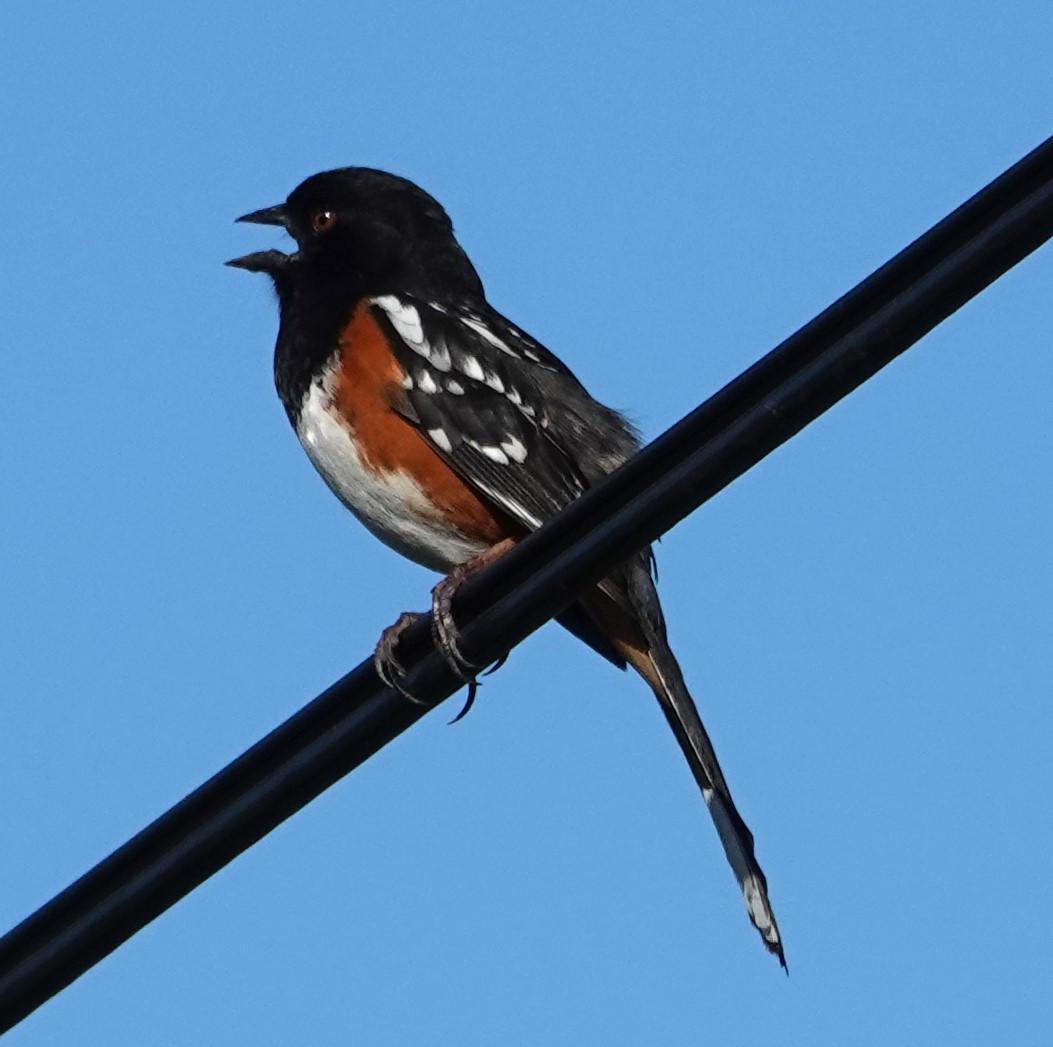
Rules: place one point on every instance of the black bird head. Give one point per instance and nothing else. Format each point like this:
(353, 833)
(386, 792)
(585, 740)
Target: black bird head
(367, 231)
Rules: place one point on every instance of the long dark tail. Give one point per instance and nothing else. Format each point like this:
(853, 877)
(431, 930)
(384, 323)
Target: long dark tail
(641, 640)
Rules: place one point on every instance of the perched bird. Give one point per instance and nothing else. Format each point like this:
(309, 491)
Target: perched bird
(451, 433)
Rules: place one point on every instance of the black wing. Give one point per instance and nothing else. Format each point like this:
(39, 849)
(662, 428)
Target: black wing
(499, 407)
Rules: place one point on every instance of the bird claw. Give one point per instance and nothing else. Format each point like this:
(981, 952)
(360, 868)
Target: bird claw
(497, 665)
(444, 628)
(391, 670)
(444, 633)
(385, 660)
(473, 690)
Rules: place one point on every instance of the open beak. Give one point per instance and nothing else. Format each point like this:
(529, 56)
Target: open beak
(271, 261)
(266, 216)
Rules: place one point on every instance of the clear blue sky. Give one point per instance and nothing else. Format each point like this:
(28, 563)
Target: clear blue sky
(660, 196)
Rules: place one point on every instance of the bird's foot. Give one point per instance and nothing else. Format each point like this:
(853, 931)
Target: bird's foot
(444, 632)
(444, 628)
(386, 661)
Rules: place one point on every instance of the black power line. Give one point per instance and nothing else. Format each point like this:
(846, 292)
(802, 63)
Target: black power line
(733, 430)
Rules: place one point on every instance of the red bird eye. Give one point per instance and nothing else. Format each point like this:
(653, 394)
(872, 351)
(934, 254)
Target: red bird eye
(323, 220)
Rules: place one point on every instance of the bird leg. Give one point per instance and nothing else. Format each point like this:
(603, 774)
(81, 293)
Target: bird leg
(443, 627)
(444, 631)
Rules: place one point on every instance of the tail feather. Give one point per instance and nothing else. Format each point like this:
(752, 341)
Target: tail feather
(659, 667)
(639, 637)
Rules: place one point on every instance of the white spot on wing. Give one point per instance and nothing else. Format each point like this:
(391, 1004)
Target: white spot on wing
(406, 381)
(440, 439)
(472, 368)
(495, 454)
(426, 383)
(514, 449)
(455, 387)
(513, 507)
(439, 356)
(481, 329)
(478, 325)
(494, 381)
(405, 319)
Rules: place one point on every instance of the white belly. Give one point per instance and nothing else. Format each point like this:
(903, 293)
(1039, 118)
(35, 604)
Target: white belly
(392, 506)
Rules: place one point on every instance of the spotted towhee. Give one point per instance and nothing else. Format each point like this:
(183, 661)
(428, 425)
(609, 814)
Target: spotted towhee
(450, 433)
